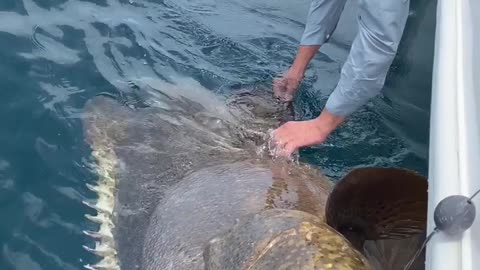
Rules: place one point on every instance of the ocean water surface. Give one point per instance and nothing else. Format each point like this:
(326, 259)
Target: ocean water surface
(57, 54)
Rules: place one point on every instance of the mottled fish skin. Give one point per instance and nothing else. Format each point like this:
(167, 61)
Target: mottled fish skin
(211, 200)
(282, 239)
(144, 151)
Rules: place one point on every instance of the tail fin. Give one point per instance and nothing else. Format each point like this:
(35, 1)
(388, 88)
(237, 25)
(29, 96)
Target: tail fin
(378, 203)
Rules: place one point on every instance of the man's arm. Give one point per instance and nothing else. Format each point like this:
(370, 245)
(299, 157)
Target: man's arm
(323, 17)
(381, 25)
(363, 75)
(322, 20)
(304, 56)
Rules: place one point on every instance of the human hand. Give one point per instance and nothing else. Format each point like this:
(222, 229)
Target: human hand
(285, 86)
(292, 135)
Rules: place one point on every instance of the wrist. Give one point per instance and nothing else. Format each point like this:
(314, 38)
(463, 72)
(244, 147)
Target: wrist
(297, 71)
(303, 58)
(328, 122)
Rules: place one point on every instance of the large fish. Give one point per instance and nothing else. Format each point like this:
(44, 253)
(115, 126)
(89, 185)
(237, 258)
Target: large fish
(184, 183)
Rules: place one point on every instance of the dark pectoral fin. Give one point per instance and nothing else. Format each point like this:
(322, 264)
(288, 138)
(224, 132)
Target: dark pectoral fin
(379, 203)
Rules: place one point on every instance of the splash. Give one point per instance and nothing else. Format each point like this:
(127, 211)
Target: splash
(271, 149)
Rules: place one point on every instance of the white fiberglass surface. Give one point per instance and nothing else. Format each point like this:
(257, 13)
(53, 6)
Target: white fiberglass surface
(454, 165)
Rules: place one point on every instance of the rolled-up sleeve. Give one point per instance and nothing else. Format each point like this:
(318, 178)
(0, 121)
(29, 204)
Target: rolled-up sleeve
(381, 25)
(322, 20)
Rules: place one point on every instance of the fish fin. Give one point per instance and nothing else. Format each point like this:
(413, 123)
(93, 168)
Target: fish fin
(394, 254)
(378, 203)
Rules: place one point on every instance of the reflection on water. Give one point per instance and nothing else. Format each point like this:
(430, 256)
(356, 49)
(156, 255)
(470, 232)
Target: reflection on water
(408, 86)
(57, 54)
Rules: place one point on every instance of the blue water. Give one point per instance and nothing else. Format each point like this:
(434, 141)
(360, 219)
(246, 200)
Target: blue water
(56, 54)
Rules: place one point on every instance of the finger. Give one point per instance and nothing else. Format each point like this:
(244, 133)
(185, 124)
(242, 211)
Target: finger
(287, 97)
(288, 149)
(276, 144)
(281, 145)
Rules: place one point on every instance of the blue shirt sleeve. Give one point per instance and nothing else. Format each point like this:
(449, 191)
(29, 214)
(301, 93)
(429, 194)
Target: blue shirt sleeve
(381, 24)
(322, 20)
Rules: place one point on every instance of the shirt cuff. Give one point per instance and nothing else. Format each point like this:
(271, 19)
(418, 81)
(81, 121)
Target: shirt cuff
(344, 103)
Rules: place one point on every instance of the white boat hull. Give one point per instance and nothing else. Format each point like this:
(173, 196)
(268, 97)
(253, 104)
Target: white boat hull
(454, 159)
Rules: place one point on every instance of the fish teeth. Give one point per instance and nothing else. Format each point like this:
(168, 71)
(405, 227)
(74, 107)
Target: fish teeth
(101, 250)
(105, 236)
(105, 189)
(104, 265)
(101, 191)
(96, 219)
(100, 208)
